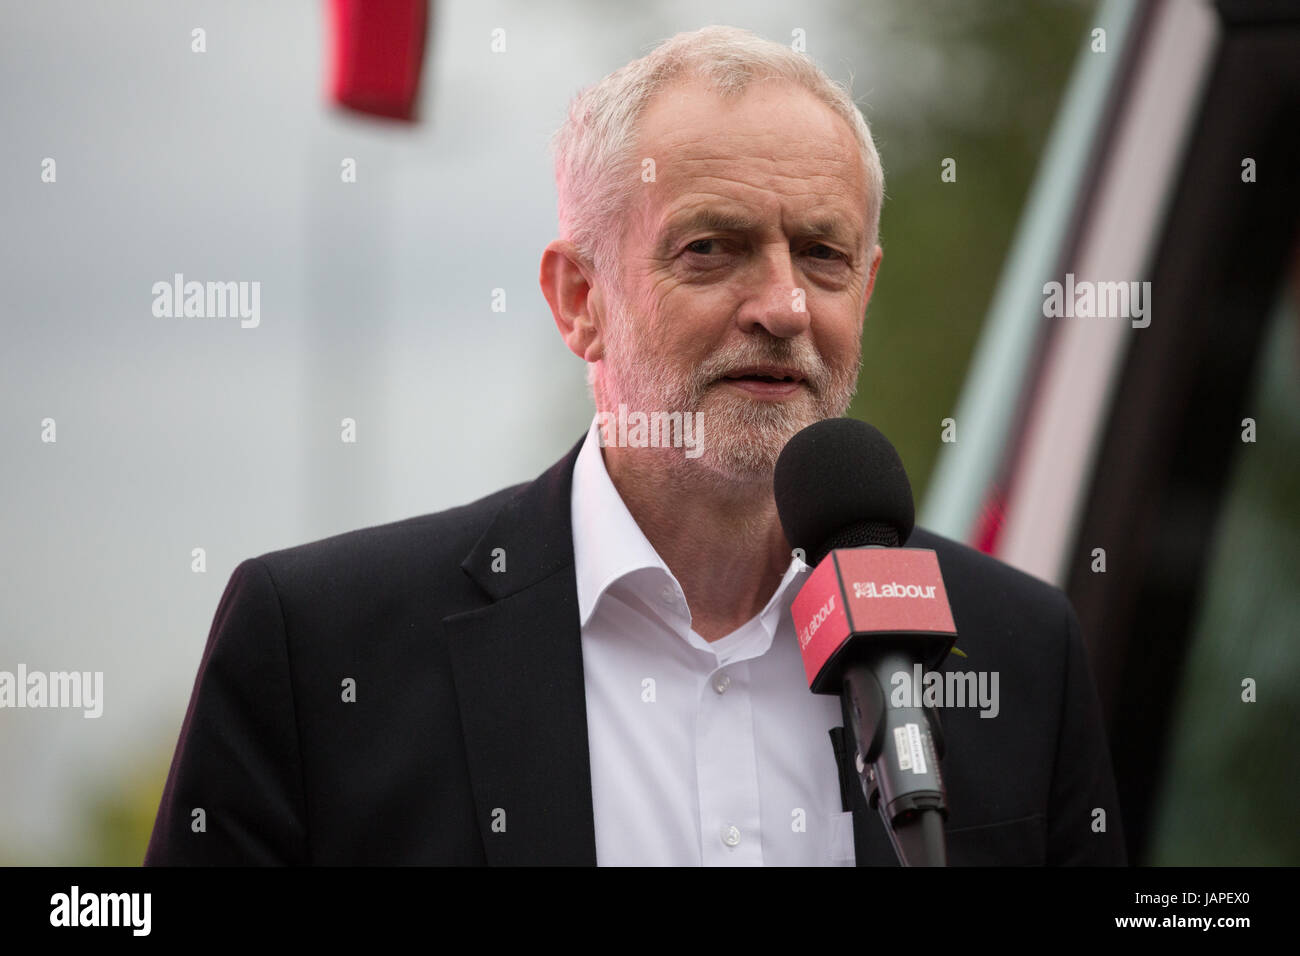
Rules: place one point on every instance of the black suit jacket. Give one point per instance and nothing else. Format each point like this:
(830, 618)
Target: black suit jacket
(470, 713)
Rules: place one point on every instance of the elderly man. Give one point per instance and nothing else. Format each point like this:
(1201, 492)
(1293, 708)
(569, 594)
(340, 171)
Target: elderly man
(600, 666)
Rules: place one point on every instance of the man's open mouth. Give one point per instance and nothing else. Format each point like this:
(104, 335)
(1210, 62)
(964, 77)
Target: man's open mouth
(773, 376)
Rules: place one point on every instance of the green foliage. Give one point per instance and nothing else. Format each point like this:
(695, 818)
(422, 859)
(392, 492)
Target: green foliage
(945, 242)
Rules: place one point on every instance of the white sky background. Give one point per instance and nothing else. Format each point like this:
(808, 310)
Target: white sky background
(182, 433)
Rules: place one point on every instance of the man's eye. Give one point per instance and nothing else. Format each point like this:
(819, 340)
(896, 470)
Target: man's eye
(834, 254)
(694, 246)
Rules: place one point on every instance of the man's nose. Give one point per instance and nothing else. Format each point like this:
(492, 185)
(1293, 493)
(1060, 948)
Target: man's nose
(776, 301)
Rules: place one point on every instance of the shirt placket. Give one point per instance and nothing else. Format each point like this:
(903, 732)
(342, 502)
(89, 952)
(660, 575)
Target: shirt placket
(727, 769)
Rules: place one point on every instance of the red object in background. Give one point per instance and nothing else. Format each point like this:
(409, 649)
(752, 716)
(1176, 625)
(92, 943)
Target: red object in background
(988, 528)
(377, 55)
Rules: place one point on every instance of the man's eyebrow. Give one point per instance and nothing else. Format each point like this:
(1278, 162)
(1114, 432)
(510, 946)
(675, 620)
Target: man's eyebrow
(831, 228)
(721, 220)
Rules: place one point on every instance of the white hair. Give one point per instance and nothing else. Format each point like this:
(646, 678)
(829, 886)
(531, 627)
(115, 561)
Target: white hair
(596, 175)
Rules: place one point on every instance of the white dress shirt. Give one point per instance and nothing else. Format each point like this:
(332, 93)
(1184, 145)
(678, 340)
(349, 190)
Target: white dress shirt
(712, 754)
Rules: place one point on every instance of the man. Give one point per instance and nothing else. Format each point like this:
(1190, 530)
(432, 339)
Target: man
(600, 666)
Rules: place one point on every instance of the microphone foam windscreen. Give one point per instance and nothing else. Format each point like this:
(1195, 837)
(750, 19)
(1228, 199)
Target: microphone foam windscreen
(839, 483)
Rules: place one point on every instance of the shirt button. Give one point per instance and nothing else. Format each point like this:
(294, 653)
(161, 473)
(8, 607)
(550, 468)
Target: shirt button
(720, 684)
(667, 595)
(730, 836)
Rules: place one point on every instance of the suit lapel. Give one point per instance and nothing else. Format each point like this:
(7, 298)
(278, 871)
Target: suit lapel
(517, 666)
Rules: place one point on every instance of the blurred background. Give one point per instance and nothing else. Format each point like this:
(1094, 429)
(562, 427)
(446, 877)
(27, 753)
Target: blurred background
(1104, 139)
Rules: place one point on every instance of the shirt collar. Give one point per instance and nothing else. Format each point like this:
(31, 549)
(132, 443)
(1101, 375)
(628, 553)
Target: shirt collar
(609, 545)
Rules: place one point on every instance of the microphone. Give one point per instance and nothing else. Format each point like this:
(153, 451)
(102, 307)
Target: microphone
(870, 612)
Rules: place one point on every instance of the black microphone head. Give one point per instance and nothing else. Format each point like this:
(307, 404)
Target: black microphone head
(839, 483)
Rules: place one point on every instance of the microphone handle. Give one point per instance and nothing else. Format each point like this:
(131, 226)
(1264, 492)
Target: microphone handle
(897, 751)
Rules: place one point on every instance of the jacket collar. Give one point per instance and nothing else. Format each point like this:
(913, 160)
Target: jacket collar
(533, 531)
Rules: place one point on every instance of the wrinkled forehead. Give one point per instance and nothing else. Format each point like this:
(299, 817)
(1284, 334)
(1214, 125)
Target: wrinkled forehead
(774, 153)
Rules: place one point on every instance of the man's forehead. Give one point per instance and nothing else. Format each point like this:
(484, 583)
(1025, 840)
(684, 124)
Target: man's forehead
(775, 154)
(774, 118)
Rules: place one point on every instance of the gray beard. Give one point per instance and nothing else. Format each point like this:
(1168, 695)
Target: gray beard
(740, 438)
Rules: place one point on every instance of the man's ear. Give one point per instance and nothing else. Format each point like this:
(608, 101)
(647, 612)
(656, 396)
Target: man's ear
(871, 279)
(576, 301)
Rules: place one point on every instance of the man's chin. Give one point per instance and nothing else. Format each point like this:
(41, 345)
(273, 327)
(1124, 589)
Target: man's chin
(734, 406)
(743, 436)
